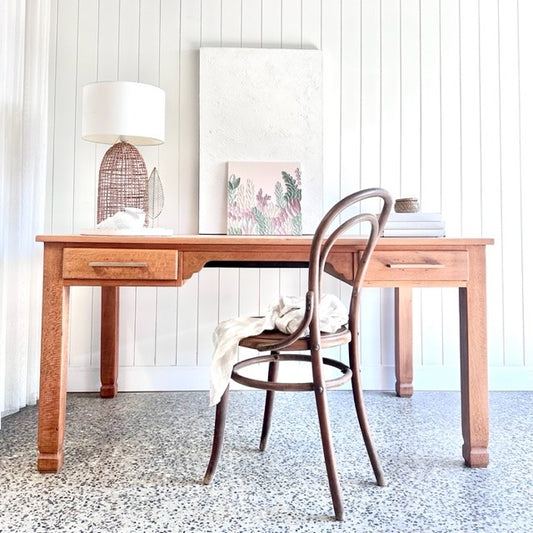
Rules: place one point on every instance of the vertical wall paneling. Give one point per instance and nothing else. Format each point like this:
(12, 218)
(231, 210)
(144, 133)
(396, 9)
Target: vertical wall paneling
(430, 105)
(84, 177)
(231, 23)
(370, 164)
(268, 287)
(189, 42)
(331, 46)
(390, 75)
(249, 291)
(166, 327)
(450, 163)
(169, 75)
(225, 286)
(271, 24)
(251, 24)
(95, 328)
(66, 81)
(216, 16)
(491, 167)
(128, 39)
(64, 135)
(511, 179)
(127, 324)
(371, 91)
(228, 291)
(52, 68)
(417, 337)
(409, 184)
(470, 119)
(450, 107)
(390, 146)
(207, 313)
(350, 116)
(190, 31)
(289, 281)
(132, 299)
(312, 24)
(525, 19)
(86, 168)
(108, 23)
(187, 323)
(210, 27)
(149, 41)
(349, 148)
(291, 24)
(168, 157)
(430, 162)
(145, 317)
(426, 98)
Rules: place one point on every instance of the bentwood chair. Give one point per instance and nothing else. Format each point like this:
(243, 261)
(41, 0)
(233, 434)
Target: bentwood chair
(335, 224)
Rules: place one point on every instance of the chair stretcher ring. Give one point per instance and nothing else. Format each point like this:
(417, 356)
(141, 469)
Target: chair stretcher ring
(283, 386)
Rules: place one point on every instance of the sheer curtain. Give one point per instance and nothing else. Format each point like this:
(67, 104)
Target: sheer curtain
(24, 43)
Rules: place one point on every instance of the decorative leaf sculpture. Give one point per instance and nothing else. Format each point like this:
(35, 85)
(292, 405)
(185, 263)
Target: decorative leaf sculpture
(154, 195)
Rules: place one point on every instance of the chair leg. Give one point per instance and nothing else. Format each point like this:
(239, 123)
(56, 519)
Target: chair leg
(329, 453)
(357, 390)
(218, 437)
(273, 368)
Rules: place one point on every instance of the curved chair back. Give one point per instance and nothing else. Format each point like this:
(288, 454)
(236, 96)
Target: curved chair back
(328, 232)
(333, 227)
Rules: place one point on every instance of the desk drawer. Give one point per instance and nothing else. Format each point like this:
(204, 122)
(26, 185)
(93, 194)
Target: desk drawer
(92, 263)
(418, 265)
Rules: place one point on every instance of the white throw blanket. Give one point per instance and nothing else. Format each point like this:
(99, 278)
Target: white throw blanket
(286, 315)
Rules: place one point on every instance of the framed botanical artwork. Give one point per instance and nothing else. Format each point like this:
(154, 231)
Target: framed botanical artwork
(264, 198)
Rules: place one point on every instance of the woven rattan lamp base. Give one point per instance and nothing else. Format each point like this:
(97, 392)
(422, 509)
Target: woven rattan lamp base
(122, 181)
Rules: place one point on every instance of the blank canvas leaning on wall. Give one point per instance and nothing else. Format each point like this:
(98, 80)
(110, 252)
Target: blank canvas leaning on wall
(259, 105)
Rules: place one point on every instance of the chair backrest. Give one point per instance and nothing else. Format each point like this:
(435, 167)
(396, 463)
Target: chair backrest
(345, 216)
(331, 228)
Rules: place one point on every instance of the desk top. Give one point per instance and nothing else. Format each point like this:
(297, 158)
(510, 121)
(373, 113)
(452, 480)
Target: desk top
(254, 240)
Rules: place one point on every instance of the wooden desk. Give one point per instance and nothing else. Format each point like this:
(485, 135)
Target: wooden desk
(111, 262)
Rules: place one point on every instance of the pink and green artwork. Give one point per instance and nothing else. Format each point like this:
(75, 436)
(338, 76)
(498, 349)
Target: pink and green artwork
(264, 198)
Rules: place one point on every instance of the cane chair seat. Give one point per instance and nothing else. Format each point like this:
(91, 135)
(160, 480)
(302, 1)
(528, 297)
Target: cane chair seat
(270, 337)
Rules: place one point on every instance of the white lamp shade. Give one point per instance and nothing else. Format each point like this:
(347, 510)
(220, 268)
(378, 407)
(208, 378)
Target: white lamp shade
(123, 110)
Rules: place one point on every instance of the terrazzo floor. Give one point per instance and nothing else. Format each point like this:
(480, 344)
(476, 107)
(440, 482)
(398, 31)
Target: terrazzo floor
(135, 464)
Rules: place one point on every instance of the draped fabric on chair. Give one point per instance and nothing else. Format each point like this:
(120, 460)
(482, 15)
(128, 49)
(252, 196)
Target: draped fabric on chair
(24, 38)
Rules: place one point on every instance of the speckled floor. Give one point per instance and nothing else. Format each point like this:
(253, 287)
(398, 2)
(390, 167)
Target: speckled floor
(135, 463)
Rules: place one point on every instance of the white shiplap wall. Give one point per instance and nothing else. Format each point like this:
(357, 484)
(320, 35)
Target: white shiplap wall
(428, 98)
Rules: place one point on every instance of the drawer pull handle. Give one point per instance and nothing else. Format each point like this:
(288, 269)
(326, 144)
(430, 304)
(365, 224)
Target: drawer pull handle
(119, 264)
(415, 265)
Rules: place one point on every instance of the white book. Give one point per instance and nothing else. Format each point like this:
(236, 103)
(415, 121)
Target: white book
(416, 232)
(414, 224)
(415, 217)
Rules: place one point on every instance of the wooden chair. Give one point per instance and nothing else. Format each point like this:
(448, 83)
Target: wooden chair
(275, 342)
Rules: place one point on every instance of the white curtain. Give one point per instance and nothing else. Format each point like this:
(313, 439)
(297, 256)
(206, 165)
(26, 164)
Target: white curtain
(24, 44)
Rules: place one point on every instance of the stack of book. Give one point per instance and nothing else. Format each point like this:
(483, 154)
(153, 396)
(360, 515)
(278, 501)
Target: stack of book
(415, 225)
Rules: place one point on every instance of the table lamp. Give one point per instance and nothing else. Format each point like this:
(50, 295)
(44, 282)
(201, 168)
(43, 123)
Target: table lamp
(124, 114)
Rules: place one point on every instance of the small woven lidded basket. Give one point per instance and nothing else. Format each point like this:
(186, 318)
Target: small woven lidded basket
(406, 205)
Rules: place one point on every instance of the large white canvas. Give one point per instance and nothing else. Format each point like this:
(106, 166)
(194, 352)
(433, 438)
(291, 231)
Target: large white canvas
(259, 105)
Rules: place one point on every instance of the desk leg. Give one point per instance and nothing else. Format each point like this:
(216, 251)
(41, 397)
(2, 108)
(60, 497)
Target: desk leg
(403, 343)
(474, 371)
(54, 360)
(109, 342)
